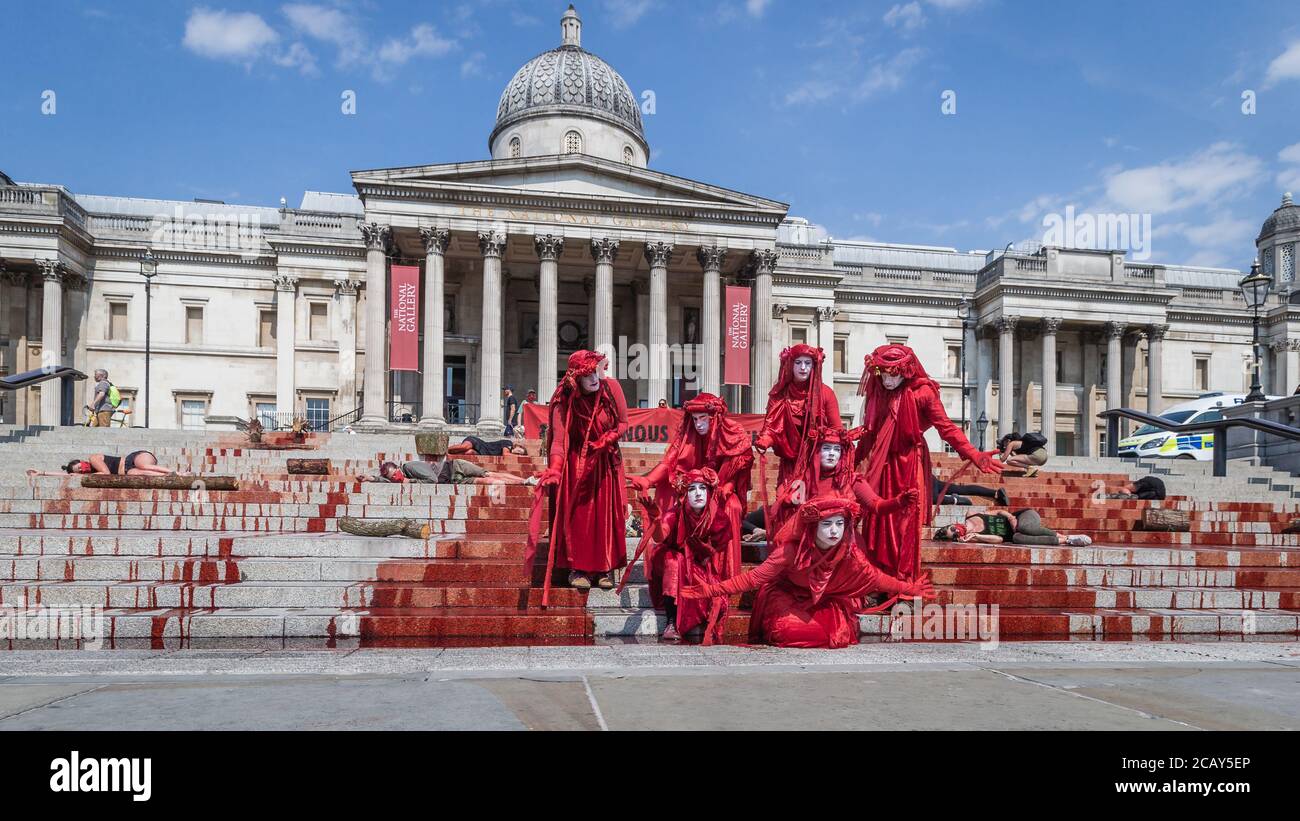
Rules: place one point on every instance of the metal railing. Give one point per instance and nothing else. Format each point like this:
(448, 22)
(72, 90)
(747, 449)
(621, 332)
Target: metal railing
(343, 420)
(1218, 427)
(460, 413)
(400, 412)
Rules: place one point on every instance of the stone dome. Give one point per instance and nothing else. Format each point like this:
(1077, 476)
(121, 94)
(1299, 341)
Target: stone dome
(569, 84)
(1285, 218)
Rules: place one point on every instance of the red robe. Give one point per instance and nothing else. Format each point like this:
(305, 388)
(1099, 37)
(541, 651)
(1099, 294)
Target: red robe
(808, 597)
(897, 458)
(693, 553)
(589, 506)
(788, 424)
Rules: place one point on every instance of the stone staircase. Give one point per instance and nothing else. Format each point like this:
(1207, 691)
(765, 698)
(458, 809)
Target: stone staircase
(267, 563)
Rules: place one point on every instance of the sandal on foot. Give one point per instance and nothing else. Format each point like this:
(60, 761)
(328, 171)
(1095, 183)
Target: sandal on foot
(579, 581)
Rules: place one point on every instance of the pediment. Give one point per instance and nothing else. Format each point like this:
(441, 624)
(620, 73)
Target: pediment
(565, 175)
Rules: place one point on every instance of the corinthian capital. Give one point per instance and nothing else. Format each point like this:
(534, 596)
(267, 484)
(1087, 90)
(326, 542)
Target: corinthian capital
(285, 282)
(346, 286)
(604, 249)
(658, 253)
(828, 314)
(764, 260)
(1115, 330)
(549, 247)
(1007, 324)
(375, 235)
(491, 244)
(435, 240)
(52, 270)
(711, 257)
(1051, 324)
(779, 309)
(1157, 331)
(11, 277)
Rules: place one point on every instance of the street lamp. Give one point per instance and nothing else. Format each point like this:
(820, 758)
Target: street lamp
(148, 270)
(963, 311)
(1255, 288)
(981, 425)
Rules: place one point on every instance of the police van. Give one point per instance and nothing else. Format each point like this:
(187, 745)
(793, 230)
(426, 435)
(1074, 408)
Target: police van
(1152, 441)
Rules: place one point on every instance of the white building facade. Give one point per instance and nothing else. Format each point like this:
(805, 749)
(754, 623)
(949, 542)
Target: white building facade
(565, 239)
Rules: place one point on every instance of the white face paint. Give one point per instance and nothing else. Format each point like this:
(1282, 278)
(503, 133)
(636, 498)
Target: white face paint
(830, 531)
(830, 455)
(891, 381)
(701, 423)
(697, 495)
(591, 382)
(803, 366)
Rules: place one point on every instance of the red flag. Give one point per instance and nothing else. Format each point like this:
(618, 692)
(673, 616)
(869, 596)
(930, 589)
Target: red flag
(404, 324)
(736, 336)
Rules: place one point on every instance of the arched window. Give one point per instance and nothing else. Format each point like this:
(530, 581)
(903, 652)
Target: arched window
(573, 143)
(515, 148)
(628, 156)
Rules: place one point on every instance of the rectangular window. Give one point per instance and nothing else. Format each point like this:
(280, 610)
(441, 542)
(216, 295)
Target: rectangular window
(841, 346)
(193, 412)
(798, 335)
(193, 325)
(318, 413)
(896, 340)
(952, 364)
(320, 322)
(266, 414)
(266, 329)
(1201, 373)
(117, 320)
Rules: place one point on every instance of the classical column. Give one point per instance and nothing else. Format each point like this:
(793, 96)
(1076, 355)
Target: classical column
(432, 397)
(52, 272)
(373, 411)
(983, 379)
(549, 247)
(657, 255)
(711, 259)
(1155, 368)
(603, 251)
(826, 333)
(1266, 362)
(1114, 365)
(1050, 327)
(492, 244)
(286, 288)
(347, 325)
(1006, 377)
(1291, 360)
(760, 377)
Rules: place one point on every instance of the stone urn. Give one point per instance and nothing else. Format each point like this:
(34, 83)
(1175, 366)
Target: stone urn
(431, 444)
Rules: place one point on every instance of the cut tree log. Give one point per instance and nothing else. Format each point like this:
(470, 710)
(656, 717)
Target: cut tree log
(201, 482)
(409, 528)
(1164, 519)
(313, 467)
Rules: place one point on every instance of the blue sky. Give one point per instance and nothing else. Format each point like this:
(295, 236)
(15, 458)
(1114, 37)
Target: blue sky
(835, 108)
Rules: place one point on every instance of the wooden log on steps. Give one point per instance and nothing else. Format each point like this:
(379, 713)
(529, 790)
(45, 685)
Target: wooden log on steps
(199, 482)
(1165, 519)
(309, 467)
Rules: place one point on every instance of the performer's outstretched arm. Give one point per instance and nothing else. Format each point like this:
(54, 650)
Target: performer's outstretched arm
(932, 409)
(767, 572)
(872, 501)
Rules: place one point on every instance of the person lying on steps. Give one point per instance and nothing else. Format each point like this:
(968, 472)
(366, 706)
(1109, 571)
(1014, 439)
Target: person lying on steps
(998, 526)
(135, 463)
(445, 471)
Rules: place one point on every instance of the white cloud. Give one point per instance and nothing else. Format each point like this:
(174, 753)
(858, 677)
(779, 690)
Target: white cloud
(1290, 154)
(1224, 230)
(953, 5)
(472, 66)
(423, 42)
(332, 26)
(223, 35)
(757, 7)
(888, 75)
(298, 56)
(812, 91)
(1286, 66)
(908, 17)
(623, 13)
(1219, 172)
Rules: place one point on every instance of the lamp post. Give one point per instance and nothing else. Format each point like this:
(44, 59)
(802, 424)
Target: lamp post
(1255, 288)
(981, 425)
(148, 270)
(963, 311)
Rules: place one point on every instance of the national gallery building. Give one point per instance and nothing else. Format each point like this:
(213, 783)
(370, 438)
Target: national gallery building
(563, 239)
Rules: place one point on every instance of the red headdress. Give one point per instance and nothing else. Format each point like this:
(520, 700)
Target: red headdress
(800, 535)
(690, 523)
(844, 469)
(891, 412)
(785, 380)
(726, 436)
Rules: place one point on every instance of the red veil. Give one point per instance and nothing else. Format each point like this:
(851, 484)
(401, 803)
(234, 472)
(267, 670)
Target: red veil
(726, 448)
(593, 459)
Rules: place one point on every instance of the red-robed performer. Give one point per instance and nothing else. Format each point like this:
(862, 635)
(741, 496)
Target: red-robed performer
(706, 437)
(697, 541)
(798, 406)
(831, 474)
(902, 402)
(810, 586)
(584, 478)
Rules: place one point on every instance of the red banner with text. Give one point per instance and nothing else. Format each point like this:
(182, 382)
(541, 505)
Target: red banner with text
(404, 324)
(654, 425)
(736, 337)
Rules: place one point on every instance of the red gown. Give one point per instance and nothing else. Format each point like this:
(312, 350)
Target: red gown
(893, 456)
(697, 548)
(808, 597)
(793, 418)
(588, 505)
